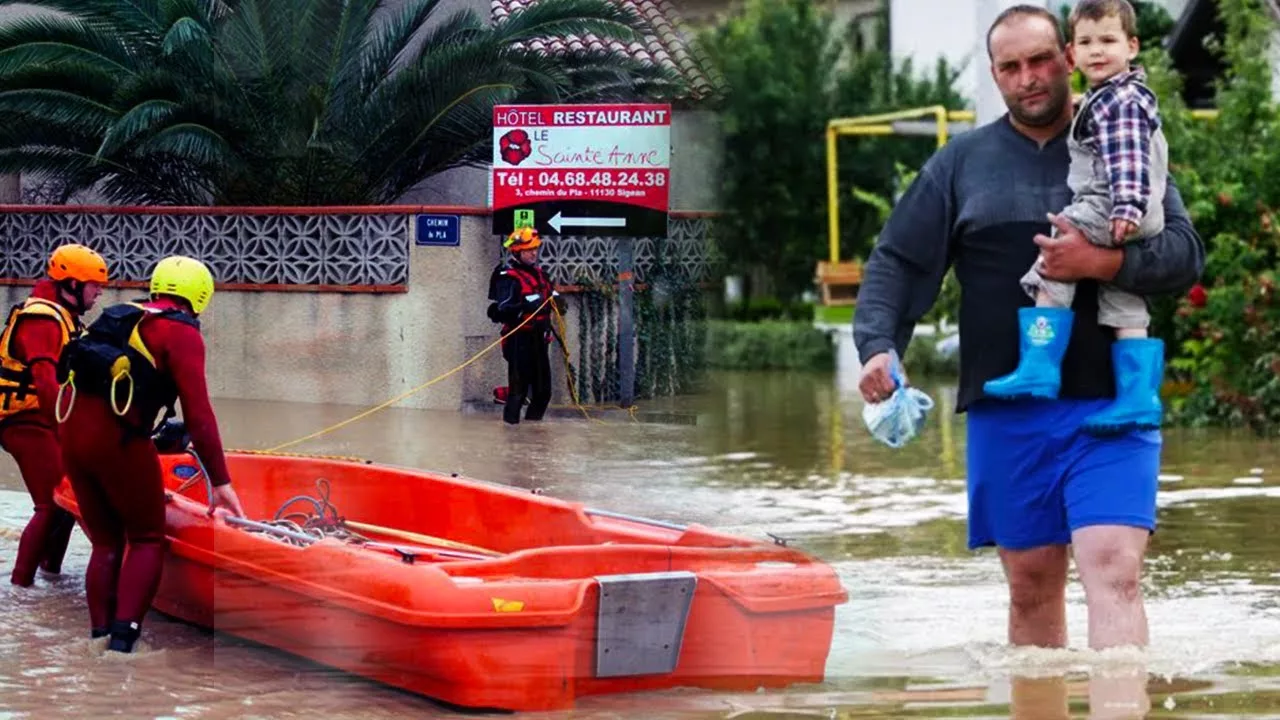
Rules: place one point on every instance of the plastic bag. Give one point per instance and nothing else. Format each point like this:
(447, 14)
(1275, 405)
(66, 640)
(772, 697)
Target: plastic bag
(897, 419)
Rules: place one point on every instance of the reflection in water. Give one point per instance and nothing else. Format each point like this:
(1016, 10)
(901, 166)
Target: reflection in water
(784, 454)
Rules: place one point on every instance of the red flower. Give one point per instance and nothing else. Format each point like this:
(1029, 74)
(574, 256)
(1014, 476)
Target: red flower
(1197, 296)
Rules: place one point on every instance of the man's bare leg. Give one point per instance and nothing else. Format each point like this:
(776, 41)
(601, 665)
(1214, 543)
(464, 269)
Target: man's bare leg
(1109, 559)
(1037, 595)
(1039, 698)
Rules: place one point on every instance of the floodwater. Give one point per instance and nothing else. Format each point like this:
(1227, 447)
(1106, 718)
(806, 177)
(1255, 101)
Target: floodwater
(921, 636)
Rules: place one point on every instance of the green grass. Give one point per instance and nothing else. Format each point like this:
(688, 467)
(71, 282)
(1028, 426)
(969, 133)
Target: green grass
(834, 315)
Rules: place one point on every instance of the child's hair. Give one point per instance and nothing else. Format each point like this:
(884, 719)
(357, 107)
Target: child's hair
(1098, 9)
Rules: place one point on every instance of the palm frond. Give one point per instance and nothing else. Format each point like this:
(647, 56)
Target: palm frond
(50, 40)
(194, 144)
(140, 119)
(57, 107)
(186, 35)
(386, 44)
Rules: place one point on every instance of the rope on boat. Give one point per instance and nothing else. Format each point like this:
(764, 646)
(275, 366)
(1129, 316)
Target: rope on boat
(301, 529)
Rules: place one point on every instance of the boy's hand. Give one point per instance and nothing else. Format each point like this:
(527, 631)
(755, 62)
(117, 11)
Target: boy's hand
(1122, 230)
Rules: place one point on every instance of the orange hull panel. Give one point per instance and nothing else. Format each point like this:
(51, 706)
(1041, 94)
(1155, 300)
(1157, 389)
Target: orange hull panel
(530, 629)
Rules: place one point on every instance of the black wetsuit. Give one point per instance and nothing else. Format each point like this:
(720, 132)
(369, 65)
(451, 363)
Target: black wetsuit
(517, 290)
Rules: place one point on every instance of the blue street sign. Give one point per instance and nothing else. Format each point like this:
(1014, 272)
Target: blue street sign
(443, 230)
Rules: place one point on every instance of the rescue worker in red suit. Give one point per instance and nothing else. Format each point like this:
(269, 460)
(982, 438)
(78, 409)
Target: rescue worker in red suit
(30, 345)
(107, 447)
(518, 289)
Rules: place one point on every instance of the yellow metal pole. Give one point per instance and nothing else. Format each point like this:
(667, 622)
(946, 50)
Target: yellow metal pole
(833, 198)
(872, 125)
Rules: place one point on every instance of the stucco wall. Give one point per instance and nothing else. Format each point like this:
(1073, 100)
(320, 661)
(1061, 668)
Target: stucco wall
(352, 348)
(355, 346)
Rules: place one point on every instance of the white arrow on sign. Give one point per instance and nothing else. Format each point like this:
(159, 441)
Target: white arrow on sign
(559, 220)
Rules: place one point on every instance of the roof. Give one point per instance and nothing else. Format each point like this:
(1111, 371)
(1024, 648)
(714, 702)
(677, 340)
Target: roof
(666, 47)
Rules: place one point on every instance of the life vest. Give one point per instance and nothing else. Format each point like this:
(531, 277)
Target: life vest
(532, 281)
(17, 385)
(110, 360)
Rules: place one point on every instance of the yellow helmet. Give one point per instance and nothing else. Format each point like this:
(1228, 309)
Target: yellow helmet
(186, 278)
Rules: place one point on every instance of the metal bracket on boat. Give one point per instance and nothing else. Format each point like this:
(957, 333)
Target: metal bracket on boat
(641, 621)
(633, 518)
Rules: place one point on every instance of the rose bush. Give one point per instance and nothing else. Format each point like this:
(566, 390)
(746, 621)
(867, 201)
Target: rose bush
(1224, 335)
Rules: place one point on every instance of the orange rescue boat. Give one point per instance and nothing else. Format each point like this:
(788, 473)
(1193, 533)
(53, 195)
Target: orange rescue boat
(481, 595)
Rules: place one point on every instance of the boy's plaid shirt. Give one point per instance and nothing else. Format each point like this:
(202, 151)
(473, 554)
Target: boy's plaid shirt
(1123, 114)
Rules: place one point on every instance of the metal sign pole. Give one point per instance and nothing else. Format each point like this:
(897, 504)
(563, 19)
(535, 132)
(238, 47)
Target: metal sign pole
(626, 321)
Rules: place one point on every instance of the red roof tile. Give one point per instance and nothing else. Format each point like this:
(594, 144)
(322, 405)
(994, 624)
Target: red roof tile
(665, 48)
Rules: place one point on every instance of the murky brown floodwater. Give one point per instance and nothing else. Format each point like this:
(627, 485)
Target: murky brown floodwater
(923, 632)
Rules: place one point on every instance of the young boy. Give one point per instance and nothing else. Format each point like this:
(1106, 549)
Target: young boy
(1118, 174)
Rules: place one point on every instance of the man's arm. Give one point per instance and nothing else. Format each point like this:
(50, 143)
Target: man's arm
(904, 272)
(1168, 263)
(38, 341)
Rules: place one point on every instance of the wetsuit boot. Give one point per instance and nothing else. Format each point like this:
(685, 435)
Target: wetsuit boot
(1042, 343)
(124, 633)
(1139, 369)
(59, 537)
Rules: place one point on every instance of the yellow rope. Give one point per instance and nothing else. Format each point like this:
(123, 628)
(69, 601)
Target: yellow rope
(321, 456)
(568, 371)
(404, 395)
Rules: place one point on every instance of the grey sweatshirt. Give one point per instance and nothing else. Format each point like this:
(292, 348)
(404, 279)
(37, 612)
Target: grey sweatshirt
(977, 204)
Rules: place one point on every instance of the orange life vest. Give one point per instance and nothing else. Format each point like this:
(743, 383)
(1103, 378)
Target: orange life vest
(17, 386)
(532, 281)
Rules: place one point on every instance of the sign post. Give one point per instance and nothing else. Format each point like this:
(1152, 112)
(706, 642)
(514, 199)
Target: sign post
(601, 170)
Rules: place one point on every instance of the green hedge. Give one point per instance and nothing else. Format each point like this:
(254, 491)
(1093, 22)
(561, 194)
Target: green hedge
(924, 361)
(768, 345)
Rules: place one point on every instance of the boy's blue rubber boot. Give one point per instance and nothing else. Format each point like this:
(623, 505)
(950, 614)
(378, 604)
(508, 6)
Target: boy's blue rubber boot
(1139, 368)
(1045, 335)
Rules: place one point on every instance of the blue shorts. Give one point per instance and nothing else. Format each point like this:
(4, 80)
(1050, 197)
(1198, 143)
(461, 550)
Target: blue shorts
(1034, 476)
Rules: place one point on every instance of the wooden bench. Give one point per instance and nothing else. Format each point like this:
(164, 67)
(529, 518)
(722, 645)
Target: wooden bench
(839, 282)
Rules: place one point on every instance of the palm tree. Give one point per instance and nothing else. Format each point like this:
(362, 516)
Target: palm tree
(288, 102)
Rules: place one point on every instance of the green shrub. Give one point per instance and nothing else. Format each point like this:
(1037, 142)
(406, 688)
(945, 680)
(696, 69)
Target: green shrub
(787, 70)
(760, 309)
(924, 361)
(768, 345)
(1223, 338)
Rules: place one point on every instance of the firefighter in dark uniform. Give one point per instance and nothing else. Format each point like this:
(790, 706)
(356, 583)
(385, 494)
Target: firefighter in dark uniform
(520, 288)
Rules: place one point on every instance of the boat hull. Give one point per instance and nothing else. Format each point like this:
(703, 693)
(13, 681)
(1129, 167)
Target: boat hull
(598, 605)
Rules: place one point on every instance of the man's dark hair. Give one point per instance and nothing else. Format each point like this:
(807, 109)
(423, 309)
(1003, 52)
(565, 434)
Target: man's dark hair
(1098, 9)
(1027, 11)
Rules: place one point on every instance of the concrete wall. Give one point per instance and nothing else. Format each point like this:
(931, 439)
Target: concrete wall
(352, 348)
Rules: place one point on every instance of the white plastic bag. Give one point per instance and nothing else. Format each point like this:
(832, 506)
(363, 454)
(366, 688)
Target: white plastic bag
(897, 419)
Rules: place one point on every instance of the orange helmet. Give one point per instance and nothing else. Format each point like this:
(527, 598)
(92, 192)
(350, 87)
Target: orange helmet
(525, 238)
(77, 262)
